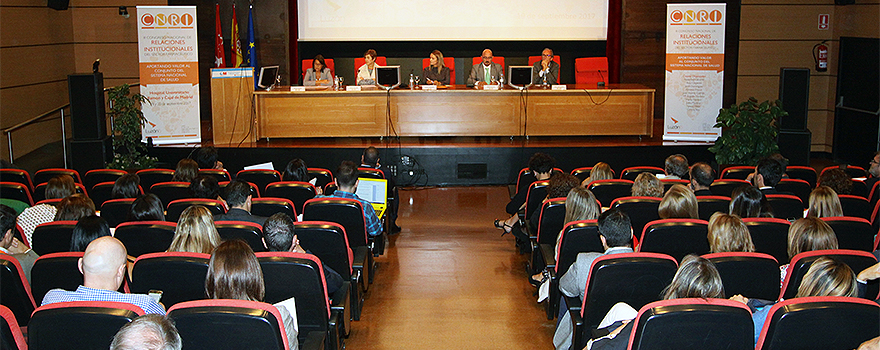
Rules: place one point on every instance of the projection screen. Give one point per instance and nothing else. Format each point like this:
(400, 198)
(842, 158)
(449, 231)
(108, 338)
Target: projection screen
(452, 20)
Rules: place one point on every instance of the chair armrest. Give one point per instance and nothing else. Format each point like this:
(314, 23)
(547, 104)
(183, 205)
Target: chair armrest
(314, 341)
(577, 330)
(573, 303)
(549, 253)
(340, 306)
(361, 264)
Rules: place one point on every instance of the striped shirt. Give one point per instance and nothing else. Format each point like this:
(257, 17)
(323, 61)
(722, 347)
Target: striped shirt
(82, 293)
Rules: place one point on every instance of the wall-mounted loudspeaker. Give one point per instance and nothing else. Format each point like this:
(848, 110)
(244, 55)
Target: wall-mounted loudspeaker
(794, 91)
(59, 4)
(87, 106)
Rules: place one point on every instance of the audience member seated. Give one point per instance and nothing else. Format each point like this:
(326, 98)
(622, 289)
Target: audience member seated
(12, 246)
(436, 73)
(728, 233)
(805, 235)
(702, 175)
(297, 170)
(541, 166)
(126, 186)
(675, 167)
(237, 195)
(824, 203)
(147, 207)
(827, 277)
(75, 207)
(187, 170)
(208, 158)
(615, 232)
(838, 180)
(580, 204)
(678, 203)
(103, 268)
(319, 74)
(195, 232)
(147, 332)
(279, 236)
(87, 230)
(370, 159)
(874, 171)
(204, 186)
(346, 186)
(749, 202)
(778, 157)
(234, 273)
(366, 74)
(600, 171)
(768, 172)
(58, 187)
(559, 186)
(696, 278)
(647, 185)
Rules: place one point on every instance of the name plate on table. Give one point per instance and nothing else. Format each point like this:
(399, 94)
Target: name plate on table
(429, 87)
(297, 88)
(558, 87)
(491, 87)
(353, 88)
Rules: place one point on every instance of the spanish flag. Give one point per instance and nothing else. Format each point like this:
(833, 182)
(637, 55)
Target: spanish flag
(236, 41)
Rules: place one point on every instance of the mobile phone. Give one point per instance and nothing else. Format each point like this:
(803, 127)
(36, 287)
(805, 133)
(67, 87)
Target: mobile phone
(155, 294)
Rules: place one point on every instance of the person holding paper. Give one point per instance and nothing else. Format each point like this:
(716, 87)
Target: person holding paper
(367, 73)
(436, 73)
(545, 71)
(486, 71)
(319, 74)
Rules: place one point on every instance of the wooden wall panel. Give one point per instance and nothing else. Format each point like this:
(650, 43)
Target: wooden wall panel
(766, 87)
(104, 24)
(781, 22)
(117, 3)
(788, 2)
(767, 57)
(821, 125)
(34, 26)
(118, 60)
(35, 64)
(22, 103)
(857, 20)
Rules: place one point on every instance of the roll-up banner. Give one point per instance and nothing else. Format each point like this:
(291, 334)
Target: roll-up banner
(694, 71)
(169, 73)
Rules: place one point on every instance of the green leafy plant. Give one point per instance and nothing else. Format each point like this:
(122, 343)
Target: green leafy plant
(128, 121)
(748, 132)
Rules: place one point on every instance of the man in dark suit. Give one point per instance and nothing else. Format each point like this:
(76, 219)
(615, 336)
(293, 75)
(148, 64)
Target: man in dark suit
(768, 172)
(238, 196)
(483, 73)
(545, 71)
(701, 175)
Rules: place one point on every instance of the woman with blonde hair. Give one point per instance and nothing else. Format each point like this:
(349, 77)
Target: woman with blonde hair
(647, 185)
(806, 235)
(728, 233)
(234, 273)
(436, 72)
(824, 203)
(678, 203)
(195, 231)
(600, 171)
(580, 204)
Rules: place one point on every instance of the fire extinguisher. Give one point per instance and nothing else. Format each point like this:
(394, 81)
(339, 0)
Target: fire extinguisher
(820, 55)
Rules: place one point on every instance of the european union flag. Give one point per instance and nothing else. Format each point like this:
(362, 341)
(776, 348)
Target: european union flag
(251, 49)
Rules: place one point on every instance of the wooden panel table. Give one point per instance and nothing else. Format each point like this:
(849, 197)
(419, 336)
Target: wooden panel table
(625, 109)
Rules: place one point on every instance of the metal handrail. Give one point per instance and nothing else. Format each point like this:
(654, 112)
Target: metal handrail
(34, 120)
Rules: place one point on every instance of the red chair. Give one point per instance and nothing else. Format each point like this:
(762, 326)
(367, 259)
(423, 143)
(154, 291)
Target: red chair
(268, 206)
(229, 324)
(800, 188)
(606, 191)
(39, 192)
(797, 269)
(533, 59)
(725, 187)
(708, 205)
(349, 214)
(11, 324)
(855, 206)
(591, 70)
(145, 237)
(324, 176)
(249, 232)
(820, 323)
(526, 177)
(576, 237)
(448, 62)
(220, 174)
(177, 206)
(115, 211)
(696, 322)
(17, 175)
(852, 233)
(16, 191)
(675, 237)
(786, 206)
(179, 275)
(259, 177)
(87, 324)
(52, 237)
(752, 274)
(15, 290)
(296, 191)
(96, 176)
(737, 172)
(770, 235)
(641, 210)
(805, 173)
(359, 61)
(149, 177)
(851, 170)
(535, 196)
(632, 173)
(495, 59)
(551, 219)
(171, 191)
(44, 175)
(306, 64)
(55, 270)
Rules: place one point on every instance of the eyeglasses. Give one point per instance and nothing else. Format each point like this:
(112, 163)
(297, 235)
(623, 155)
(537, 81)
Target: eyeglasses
(547, 55)
(487, 58)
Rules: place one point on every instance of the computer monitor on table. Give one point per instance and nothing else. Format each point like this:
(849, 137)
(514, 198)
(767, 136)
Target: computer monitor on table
(520, 77)
(268, 77)
(388, 77)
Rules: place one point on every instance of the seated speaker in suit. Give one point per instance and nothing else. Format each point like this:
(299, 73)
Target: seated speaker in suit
(545, 71)
(319, 74)
(486, 71)
(367, 73)
(436, 73)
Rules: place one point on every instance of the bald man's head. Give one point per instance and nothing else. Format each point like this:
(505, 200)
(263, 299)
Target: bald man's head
(103, 263)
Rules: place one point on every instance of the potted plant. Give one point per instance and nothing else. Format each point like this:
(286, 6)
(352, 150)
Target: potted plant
(749, 132)
(128, 121)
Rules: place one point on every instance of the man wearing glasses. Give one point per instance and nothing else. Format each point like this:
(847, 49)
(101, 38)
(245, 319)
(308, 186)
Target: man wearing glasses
(485, 72)
(874, 170)
(545, 71)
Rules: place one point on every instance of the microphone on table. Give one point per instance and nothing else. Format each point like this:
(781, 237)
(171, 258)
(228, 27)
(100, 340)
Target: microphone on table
(601, 82)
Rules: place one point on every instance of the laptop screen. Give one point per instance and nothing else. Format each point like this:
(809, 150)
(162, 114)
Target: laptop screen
(372, 190)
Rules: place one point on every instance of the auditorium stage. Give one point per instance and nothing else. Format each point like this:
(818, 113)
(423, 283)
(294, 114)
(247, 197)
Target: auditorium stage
(449, 161)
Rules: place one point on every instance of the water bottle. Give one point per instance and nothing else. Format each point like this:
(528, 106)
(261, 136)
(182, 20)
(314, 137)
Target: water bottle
(501, 82)
(411, 81)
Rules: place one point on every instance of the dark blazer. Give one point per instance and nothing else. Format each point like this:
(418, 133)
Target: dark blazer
(236, 214)
(703, 193)
(773, 190)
